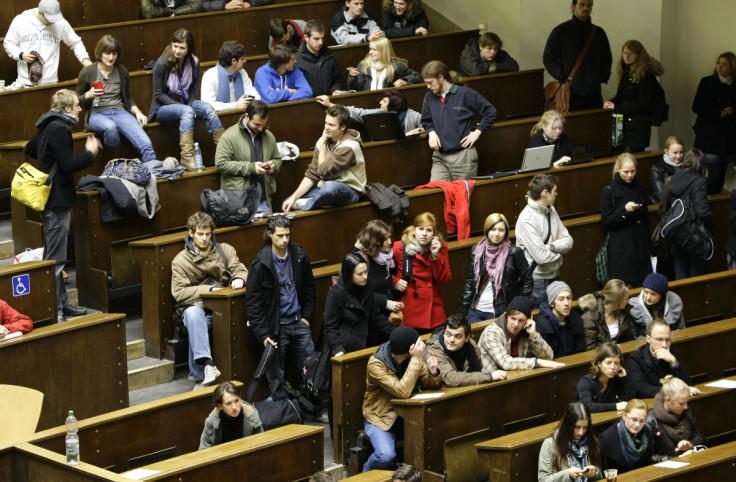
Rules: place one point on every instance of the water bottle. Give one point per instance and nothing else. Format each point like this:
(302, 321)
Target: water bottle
(198, 158)
(97, 85)
(72, 439)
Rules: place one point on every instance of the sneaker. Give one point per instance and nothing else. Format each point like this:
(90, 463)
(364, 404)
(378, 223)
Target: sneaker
(60, 318)
(71, 310)
(299, 203)
(197, 386)
(210, 374)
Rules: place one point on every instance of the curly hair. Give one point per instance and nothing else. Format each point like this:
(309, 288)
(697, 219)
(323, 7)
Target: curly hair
(644, 63)
(413, 8)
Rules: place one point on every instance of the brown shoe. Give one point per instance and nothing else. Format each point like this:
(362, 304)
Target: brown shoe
(217, 134)
(186, 143)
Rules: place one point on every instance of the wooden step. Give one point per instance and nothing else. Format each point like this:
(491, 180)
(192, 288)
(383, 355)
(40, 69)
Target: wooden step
(145, 372)
(136, 349)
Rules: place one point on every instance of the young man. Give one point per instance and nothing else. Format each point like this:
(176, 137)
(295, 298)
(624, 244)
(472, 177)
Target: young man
(447, 116)
(318, 62)
(247, 153)
(540, 233)
(284, 31)
(458, 356)
(513, 343)
(280, 80)
(33, 41)
(52, 146)
(483, 55)
(395, 370)
(227, 85)
(203, 265)
(560, 327)
(169, 8)
(352, 25)
(336, 175)
(280, 301)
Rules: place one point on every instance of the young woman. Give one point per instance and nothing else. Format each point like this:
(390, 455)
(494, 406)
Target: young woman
(606, 315)
(403, 18)
(116, 112)
(628, 444)
(607, 387)
(624, 215)
(655, 301)
(381, 69)
(231, 419)
(671, 422)
(548, 131)
(498, 273)
(424, 267)
(637, 83)
(175, 79)
(392, 101)
(715, 127)
(571, 452)
(666, 168)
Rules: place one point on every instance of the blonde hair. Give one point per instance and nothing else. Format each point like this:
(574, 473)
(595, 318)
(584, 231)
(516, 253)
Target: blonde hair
(63, 98)
(547, 119)
(626, 156)
(424, 219)
(386, 55)
(673, 140)
(492, 220)
(636, 404)
(673, 386)
(644, 63)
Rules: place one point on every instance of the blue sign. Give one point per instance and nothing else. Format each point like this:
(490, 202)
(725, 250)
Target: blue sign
(21, 284)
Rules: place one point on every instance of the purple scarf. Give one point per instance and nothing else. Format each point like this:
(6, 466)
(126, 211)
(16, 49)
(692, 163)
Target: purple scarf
(495, 256)
(179, 84)
(223, 84)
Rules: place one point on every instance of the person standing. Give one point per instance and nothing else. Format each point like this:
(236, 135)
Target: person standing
(52, 145)
(666, 167)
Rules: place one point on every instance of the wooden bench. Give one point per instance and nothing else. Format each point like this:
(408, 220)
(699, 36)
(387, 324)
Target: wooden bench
(372, 476)
(79, 365)
(37, 299)
(716, 463)
(26, 462)
(514, 456)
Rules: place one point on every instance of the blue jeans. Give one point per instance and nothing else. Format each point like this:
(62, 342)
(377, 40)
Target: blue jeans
(56, 223)
(198, 322)
(295, 344)
(474, 316)
(539, 292)
(185, 115)
(331, 193)
(113, 122)
(384, 445)
(264, 208)
(689, 266)
(717, 171)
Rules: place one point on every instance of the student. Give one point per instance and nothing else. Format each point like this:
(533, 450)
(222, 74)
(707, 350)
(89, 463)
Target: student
(381, 69)
(403, 18)
(628, 444)
(352, 25)
(549, 131)
(391, 101)
(12, 321)
(656, 301)
(483, 55)
(280, 80)
(606, 315)
(607, 387)
(318, 62)
(231, 419)
(227, 86)
(560, 327)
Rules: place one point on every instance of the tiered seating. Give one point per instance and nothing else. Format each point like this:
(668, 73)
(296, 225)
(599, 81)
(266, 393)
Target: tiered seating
(35, 298)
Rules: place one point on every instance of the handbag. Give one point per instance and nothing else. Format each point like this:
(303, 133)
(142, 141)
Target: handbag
(556, 94)
(601, 262)
(131, 170)
(317, 370)
(31, 186)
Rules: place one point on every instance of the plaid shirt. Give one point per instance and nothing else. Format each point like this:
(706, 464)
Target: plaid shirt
(495, 349)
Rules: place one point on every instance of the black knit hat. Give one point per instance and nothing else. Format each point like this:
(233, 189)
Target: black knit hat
(521, 304)
(657, 283)
(402, 338)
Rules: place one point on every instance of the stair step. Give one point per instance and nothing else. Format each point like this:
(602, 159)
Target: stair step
(146, 371)
(6, 249)
(136, 349)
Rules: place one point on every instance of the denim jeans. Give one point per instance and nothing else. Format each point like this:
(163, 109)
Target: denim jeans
(331, 193)
(198, 322)
(264, 208)
(717, 166)
(539, 292)
(56, 223)
(689, 266)
(474, 316)
(113, 122)
(185, 115)
(384, 445)
(295, 344)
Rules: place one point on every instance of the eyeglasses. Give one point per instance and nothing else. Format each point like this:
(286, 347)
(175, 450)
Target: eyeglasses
(635, 421)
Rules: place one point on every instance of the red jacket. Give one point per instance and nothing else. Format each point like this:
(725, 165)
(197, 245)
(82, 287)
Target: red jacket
(14, 321)
(426, 310)
(457, 204)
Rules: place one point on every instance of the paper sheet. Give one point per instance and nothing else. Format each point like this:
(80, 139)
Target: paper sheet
(427, 396)
(140, 474)
(671, 464)
(722, 384)
(10, 336)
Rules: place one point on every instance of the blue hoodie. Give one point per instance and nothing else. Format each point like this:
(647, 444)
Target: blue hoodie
(267, 78)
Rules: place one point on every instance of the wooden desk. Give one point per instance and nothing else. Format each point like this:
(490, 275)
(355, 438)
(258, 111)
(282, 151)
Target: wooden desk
(38, 300)
(716, 463)
(25, 462)
(372, 476)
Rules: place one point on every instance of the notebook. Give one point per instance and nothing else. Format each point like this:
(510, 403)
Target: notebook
(537, 158)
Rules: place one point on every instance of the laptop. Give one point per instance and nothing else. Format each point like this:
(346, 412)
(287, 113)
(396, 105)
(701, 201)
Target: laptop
(537, 158)
(383, 126)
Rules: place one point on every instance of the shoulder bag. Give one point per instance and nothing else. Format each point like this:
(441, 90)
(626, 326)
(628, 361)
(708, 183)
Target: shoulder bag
(557, 95)
(31, 186)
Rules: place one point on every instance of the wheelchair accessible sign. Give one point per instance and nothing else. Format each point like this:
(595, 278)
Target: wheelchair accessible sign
(21, 285)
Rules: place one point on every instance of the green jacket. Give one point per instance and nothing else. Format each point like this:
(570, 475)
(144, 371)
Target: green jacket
(232, 159)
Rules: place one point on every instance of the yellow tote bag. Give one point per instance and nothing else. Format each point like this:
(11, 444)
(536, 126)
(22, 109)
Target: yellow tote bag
(32, 186)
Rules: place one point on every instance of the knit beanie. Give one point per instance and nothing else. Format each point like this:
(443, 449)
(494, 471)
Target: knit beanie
(554, 289)
(402, 338)
(657, 283)
(521, 304)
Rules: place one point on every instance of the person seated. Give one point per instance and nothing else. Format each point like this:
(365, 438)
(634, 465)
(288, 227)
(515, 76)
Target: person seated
(674, 151)
(512, 342)
(318, 62)
(407, 473)
(560, 327)
(483, 55)
(403, 18)
(352, 25)
(392, 101)
(12, 322)
(458, 356)
(285, 31)
(672, 422)
(227, 86)
(381, 69)
(549, 131)
(232, 418)
(217, 5)
(607, 388)
(628, 444)
(280, 80)
(656, 301)
(606, 315)
(169, 8)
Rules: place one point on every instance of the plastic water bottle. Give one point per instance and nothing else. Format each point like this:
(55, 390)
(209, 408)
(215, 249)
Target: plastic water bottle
(72, 439)
(198, 158)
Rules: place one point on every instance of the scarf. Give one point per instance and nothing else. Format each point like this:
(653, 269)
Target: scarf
(724, 80)
(676, 427)
(179, 84)
(657, 307)
(632, 447)
(232, 427)
(223, 84)
(494, 256)
(385, 259)
(377, 79)
(669, 161)
(402, 117)
(461, 356)
(577, 455)
(413, 247)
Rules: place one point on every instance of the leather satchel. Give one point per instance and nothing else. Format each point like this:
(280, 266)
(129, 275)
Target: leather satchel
(556, 94)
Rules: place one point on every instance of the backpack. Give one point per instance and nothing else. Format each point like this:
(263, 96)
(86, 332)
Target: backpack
(680, 226)
(392, 199)
(660, 112)
(131, 170)
(231, 207)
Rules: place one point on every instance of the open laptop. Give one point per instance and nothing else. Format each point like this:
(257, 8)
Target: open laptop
(537, 158)
(383, 126)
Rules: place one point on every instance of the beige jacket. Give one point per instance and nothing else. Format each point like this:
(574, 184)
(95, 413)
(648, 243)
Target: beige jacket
(451, 375)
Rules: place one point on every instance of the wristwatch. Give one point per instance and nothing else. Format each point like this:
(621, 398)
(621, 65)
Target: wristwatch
(552, 247)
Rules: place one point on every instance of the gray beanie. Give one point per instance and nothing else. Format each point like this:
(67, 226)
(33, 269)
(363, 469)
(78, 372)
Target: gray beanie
(554, 289)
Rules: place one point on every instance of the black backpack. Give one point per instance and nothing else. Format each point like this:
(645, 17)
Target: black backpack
(660, 108)
(231, 207)
(683, 228)
(392, 199)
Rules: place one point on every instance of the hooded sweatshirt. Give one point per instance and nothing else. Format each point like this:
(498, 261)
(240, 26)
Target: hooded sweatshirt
(274, 87)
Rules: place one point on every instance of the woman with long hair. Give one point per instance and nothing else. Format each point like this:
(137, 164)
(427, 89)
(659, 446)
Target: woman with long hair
(637, 84)
(175, 79)
(497, 274)
(674, 151)
(606, 388)
(381, 69)
(549, 131)
(424, 267)
(606, 315)
(232, 418)
(572, 451)
(628, 444)
(403, 18)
